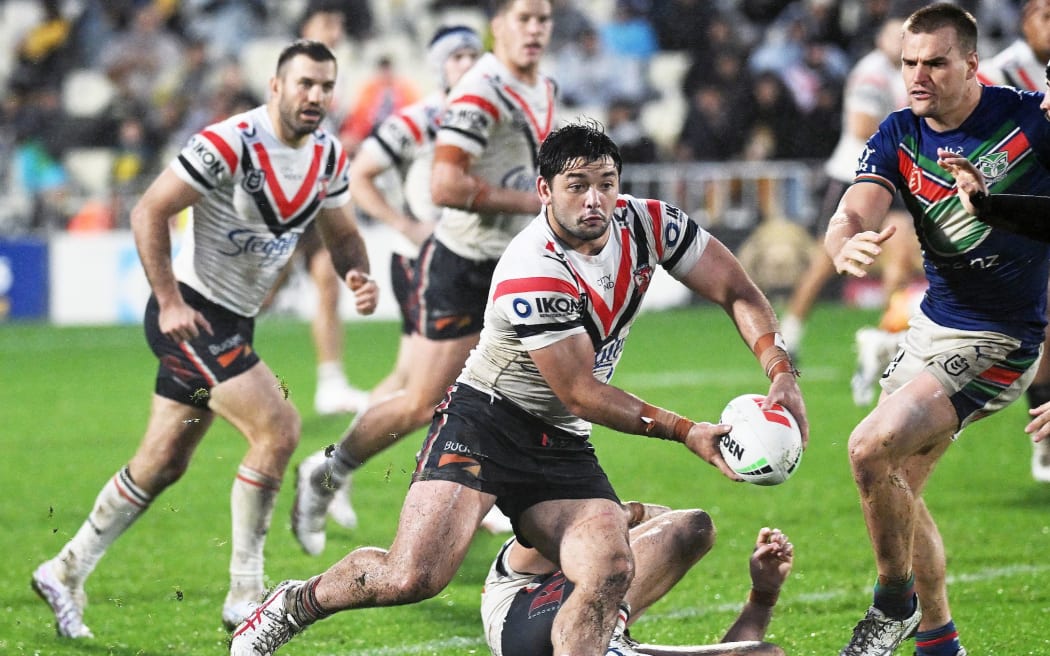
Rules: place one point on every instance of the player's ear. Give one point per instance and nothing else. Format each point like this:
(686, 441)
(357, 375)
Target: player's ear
(543, 189)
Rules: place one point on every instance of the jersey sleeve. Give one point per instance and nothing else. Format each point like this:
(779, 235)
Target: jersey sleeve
(210, 158)
(878, 161)
(674, 240)
(541, 309)
(469, 119)
(397, 140)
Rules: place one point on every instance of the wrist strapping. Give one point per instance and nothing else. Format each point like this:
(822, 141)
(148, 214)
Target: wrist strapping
(763, 597)
(773, 356)
(664, 424)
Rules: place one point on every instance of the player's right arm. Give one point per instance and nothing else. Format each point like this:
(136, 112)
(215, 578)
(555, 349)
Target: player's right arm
(150, 224)
(364, 170)
(769, 566)
(453, 185)
(853, 239)
(567, 367)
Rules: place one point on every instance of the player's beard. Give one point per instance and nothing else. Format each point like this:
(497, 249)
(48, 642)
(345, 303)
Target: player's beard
(298, 125)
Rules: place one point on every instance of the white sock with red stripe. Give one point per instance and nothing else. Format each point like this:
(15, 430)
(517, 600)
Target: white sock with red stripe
(251, 507)
(118, 505)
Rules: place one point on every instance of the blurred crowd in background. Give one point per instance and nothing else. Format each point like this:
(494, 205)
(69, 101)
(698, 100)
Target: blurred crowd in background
(99, 95)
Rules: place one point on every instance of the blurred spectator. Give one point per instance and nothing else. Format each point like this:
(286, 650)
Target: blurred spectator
(137, 59)
(45, 52)
(628, 33)
(712, 129)
(624, 128)
(590, 75)
(568, 23)
(358, 21)
(683, 24)
(380, 96)
(224, 24)
(772, 121)
(720, 61)
(36, 172)
(822, 67)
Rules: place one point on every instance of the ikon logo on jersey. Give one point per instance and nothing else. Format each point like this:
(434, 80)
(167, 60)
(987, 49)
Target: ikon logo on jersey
(547, 306)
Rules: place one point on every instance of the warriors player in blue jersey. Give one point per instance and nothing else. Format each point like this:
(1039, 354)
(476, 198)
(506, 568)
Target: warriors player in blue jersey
(974, 346)
(254, 182)
(515, 428)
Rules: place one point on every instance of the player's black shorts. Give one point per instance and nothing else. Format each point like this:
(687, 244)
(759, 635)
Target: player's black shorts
(452, 292)
(188, 370)
(402, 279)
(490, 444)
(527, 626)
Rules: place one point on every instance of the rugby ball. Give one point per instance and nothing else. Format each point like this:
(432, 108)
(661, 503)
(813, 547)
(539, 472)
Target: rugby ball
(764, 447)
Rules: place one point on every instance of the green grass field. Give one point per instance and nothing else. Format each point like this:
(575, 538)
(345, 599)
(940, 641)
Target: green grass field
(74, 405)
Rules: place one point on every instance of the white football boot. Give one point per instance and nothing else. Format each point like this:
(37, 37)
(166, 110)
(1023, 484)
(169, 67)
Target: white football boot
(878, 635)
(67, 603)
(336, 396)
(268, 627)
(311, 503)
(1041, 461)
(340, 509)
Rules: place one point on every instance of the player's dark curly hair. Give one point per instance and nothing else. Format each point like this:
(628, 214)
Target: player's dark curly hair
(315, 50)
(576, 141)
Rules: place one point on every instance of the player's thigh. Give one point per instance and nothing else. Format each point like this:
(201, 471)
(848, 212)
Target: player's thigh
(915, 418)
(437, 524)
(255, 402)
(588, 538)
(438, 363)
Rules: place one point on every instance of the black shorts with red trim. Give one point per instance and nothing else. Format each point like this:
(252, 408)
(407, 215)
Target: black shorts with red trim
(188, 370)
(491, 445)
(402, 280)
(452, 292)
(527, 626)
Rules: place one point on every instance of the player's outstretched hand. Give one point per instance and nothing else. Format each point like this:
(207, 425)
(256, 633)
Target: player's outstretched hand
(968, 180)
(703, 440)
(771, 560)
(859, 251)
(365, 289)
(1039, 427)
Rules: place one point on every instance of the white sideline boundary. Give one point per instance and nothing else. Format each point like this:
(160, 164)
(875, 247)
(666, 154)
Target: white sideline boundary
(476, 645)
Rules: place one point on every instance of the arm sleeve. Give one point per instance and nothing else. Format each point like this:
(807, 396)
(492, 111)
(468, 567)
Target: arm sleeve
(1003, 211)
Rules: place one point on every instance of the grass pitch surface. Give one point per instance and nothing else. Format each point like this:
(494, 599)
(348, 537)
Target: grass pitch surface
(75, 403)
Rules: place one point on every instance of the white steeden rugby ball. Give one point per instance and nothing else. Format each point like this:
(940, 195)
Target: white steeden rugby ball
(764, 447)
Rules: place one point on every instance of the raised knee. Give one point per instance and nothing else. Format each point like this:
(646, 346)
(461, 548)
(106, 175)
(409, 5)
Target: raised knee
(696, 535)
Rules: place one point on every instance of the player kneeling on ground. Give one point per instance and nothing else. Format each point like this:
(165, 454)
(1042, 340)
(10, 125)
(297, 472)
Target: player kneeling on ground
(524, 591)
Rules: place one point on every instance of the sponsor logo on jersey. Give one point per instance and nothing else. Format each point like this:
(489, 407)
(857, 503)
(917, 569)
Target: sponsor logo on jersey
(606, 282)
(271, 249)
(558, 306)
(522, 308)
(212, 163)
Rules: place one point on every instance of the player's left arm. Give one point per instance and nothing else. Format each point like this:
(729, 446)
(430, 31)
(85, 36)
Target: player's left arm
(349, 256)
(567, 366)
(770, 564)
(719, 277)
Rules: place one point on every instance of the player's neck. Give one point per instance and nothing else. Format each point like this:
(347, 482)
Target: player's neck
(957, 117)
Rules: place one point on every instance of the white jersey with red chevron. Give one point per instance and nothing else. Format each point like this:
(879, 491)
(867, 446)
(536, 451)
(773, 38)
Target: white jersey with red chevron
(1016, 66)
(501, 122)
(259, 196)
(543, 292)
(404, 141)
(874, 87)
